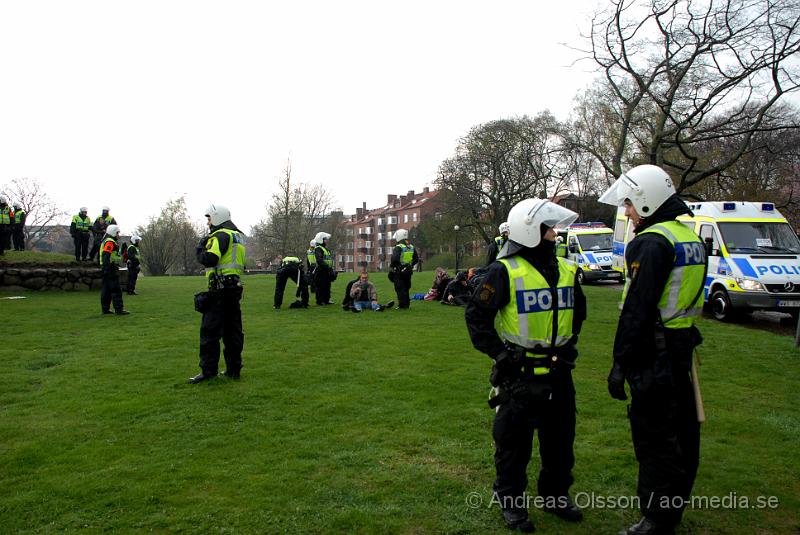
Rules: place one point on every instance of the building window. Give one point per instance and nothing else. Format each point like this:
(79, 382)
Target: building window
(414, 216)
(405, 218)
(380, 221)
(368, 245)
(392, 219)
(369, 258)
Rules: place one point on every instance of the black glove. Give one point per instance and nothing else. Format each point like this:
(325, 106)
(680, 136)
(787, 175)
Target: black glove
(506, 368)
(616, 382)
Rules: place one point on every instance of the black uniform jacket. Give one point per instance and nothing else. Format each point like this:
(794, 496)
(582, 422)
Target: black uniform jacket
(650, 258)
(495, 293)
(395, 261)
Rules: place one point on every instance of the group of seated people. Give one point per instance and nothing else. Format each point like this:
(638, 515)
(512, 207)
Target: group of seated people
(454, 290)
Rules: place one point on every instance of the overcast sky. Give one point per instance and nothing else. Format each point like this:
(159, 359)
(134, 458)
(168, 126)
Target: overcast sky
(131, 104)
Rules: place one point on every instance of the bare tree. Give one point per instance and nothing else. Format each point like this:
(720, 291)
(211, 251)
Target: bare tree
(42, 212)
(679, 74)
(499, 163)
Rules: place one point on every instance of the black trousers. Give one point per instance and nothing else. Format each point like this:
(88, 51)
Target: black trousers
(110, 291)
(5, 237)
(666, 439)
(222, 320)
(81, 241)
(513, 431)
(292, 273)
(18, 235)
(133, 274)
(322, 280)
(402, 287)
(95, 246)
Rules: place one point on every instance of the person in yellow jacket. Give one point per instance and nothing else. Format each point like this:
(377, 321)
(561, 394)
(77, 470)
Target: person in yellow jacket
(526, 315)
(111, 291)
(656, 335)
(222, 253)
(79, 229)
(5, 225)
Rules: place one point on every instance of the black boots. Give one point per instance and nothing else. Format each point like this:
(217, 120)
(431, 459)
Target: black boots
(200, 377)
(645, 526)
(565, 509)
(517, 520)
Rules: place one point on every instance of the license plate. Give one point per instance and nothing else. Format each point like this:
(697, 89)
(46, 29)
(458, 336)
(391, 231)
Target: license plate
(789, 303)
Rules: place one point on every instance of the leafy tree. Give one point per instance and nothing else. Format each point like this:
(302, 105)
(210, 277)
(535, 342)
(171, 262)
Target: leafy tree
(169, 241)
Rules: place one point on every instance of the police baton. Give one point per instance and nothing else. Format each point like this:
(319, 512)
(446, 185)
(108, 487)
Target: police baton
(698, 398)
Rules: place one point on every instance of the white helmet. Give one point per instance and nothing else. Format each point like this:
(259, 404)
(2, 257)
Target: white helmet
(526, 218)
(504, 227)
(83, 210)
(112, 230)
(218, 214)
(313, 243)
(135, 239)
(106, 209)
(400, 234)
(321, 237)
(646, 186)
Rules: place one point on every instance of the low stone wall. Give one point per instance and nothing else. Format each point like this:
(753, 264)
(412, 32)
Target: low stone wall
(66, 279)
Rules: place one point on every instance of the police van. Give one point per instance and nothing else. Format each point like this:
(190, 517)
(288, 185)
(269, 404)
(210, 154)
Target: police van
(753, 261)
(590, 246)
(623, 233)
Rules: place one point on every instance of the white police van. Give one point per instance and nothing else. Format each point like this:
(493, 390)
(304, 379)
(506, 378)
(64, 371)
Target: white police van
(590, 246)
(754, 260)
(623, 233)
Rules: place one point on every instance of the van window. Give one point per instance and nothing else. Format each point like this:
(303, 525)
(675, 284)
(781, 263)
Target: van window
(759, 237)
(619, 230)
(595, 242)
(707, 231)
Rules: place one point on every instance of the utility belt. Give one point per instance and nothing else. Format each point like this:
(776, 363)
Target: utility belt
(220, 282)
(542, 360)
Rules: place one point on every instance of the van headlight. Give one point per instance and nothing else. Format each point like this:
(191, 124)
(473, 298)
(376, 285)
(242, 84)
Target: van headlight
(594, 267)
(750, 285)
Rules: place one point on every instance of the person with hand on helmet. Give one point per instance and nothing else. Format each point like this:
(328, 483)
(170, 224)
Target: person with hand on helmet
(656, 334)
(497, 243)
(110, 291)
(134, 263)
(404, 258)
(79, 230)
(99, 230)
(222, 253)
(540, 307)
(323, 272)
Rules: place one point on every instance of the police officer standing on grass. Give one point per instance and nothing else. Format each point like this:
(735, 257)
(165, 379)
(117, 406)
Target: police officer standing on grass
(134, 263)
(323, 273)
(311, 264)
(291, 269)
(18, 227)
(111, 292)
(541, 309)
(404, 258)
(222, 252)
(79, 230)
(653, 347)
(497, 243)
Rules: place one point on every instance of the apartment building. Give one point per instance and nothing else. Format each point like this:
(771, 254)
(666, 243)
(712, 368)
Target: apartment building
(368, 239)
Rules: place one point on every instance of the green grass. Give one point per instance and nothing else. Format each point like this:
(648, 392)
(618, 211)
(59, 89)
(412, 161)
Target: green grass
(14, 258)
(342, 423)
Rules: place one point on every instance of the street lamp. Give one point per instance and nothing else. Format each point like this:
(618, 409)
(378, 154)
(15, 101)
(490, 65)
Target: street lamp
(456, 228)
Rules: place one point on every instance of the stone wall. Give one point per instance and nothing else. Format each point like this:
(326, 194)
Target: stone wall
(55, 278)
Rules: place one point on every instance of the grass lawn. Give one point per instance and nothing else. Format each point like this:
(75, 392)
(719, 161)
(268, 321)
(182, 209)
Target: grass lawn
(342, 423)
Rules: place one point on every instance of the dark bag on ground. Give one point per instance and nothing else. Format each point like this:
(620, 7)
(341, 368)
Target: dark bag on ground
(201, 302)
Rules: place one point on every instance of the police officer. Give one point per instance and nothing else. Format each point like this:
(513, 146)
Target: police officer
(18, 227)
(323, 272)
(654, 342)
(311, 264)
(222, 252)
(99, 229)
(291, 268)
(111, 292)
(134, 263)
(404, 258)
(497, 243)
(79, 230)
(5, 225)
(541, 309)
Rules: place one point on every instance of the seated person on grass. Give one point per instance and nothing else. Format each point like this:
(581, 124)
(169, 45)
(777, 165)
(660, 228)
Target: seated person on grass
(365, 296)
